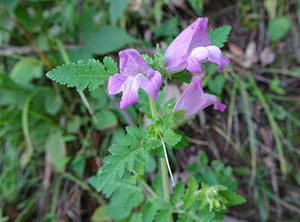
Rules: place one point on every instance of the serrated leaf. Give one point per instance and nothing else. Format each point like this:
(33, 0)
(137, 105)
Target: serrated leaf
(137, 132)
(189, 198)
(90, 74)
(151, 144)
(232, 197)
(178, 192)
(115, 164)
(149, 210)
(163, 215)
(182, 76)
(219, 36)
(110, 65)
(183, 141)
(125, 196)
(171, 138)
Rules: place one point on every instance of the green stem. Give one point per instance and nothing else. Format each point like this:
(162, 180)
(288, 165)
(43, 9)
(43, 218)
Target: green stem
(153, 107)
(165, 179)
(163, 162)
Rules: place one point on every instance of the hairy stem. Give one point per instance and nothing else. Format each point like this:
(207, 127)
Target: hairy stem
(163, 162)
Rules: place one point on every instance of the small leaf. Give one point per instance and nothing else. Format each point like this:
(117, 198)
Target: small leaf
(278, 28)
(178, 192)
(53, 104)
(189, 198)
(232, 197)
(182, 76)
(26, 70)
(219, 36)
(149, 210)
(203, 159)
(106, 119)
(171, 138)
(56, 149)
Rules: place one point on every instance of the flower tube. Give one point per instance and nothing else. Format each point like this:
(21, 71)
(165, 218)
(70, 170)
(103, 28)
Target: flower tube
(193, 99)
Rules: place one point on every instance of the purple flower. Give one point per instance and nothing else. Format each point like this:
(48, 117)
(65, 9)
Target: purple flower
(193, 99)
(191, 48)
(135, 73)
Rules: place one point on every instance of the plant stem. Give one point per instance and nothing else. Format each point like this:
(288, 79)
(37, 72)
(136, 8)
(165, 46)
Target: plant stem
(153, 107)
(165, 179)
(162, 160)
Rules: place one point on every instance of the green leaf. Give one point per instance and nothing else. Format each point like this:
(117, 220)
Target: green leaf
(108, 39)
(278, 28)
(106, 119)
(216, 84)
(183, 142)
(163, 215)
(125, 196)
(219, 36)
(74, 124)
(89, 74)
(182, 76)
(149, 210)
(136, 217)
(137, 132)
(56, 149)
(99, 214)
(26, 70)
(232, 198)
(178, 192)
(9, 6)
(117, 9)
(53, 104)
(275, 86)
(198, 6)
(203, 159)
(171, 138)
(80, 53)
(167, 29)
(123, 156)
(189, 198)
(78, 164)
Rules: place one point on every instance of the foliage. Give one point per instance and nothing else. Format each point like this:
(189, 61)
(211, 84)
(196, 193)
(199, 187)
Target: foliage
(52, 140)
(89, 74)
(220, 35)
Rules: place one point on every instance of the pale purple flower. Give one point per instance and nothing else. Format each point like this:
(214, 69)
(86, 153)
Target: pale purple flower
(193, 99)
(135, 74)
(191, 48)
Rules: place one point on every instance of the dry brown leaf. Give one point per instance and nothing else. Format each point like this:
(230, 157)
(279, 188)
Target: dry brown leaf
(267, 136)
(267, 56)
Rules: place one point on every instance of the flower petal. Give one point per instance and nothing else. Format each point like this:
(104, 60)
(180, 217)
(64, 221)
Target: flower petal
(115, 83)
(130, 90)
(180, 49)
(153, 85)
(193, 99)
(194, 66)
(132, 63)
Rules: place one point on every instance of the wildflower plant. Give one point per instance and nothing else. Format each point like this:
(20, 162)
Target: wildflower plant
(140, 78)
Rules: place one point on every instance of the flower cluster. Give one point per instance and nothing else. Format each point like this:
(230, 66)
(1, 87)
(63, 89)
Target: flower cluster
(188, 51)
